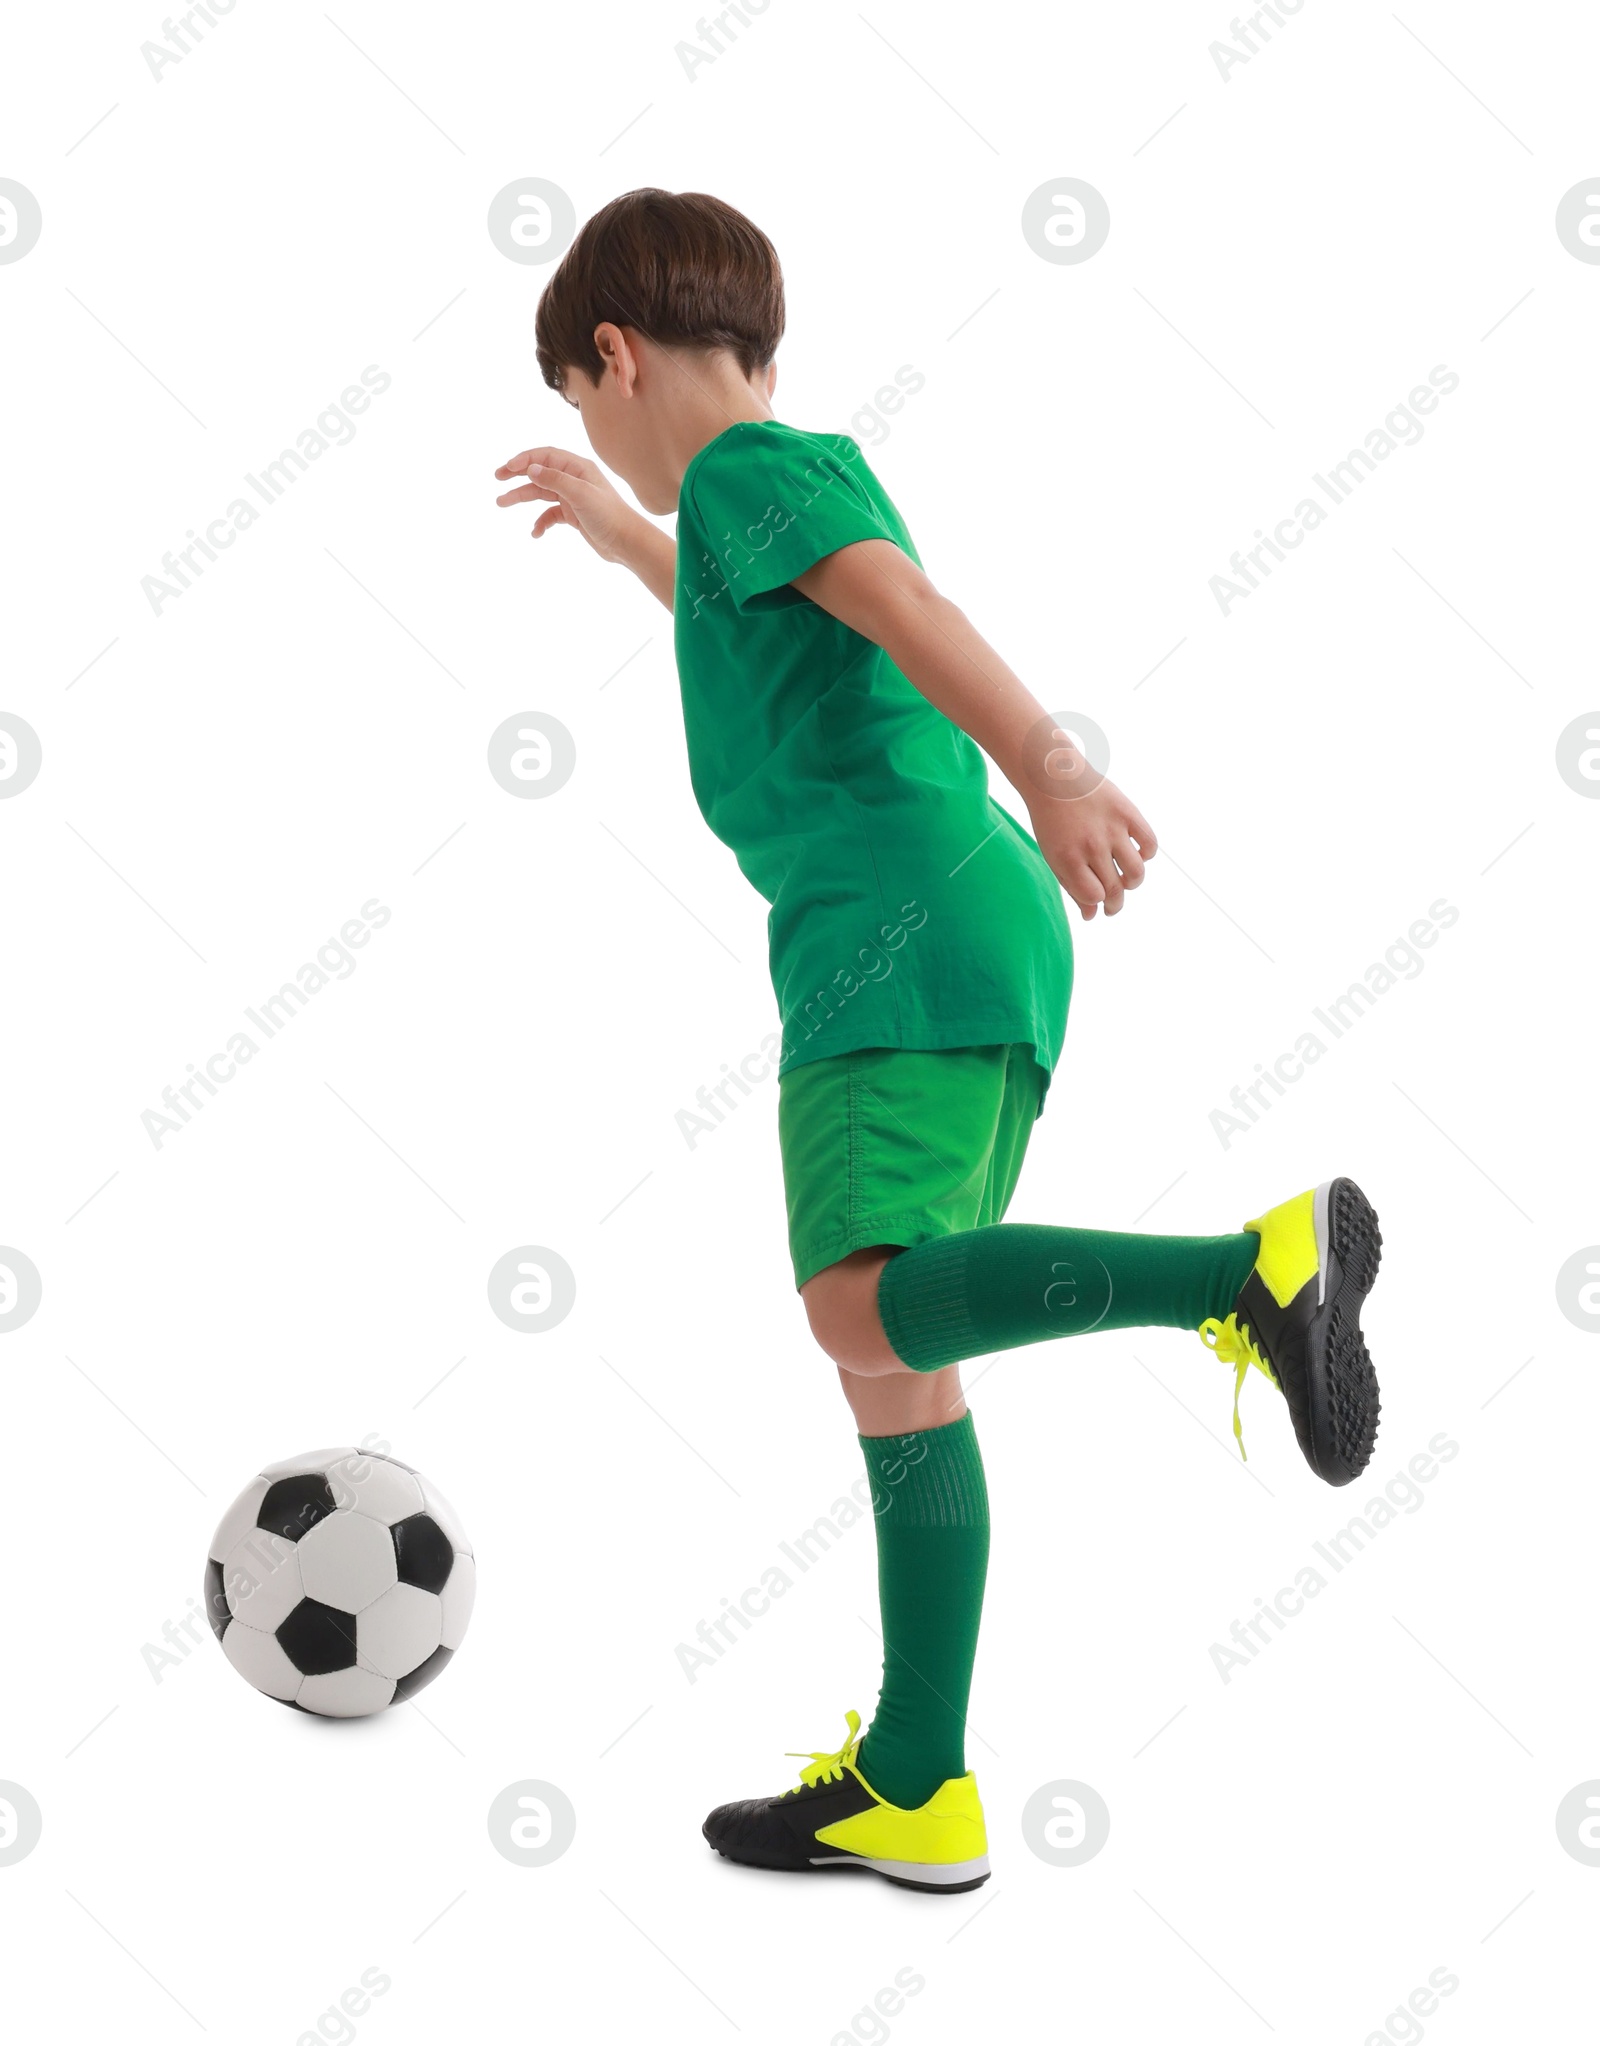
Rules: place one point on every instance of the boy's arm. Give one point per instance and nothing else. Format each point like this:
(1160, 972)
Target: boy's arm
(1095, 841)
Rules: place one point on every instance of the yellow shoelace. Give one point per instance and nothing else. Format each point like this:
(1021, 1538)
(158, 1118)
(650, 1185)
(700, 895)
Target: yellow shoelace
(823, 1768)
(1235, 1346)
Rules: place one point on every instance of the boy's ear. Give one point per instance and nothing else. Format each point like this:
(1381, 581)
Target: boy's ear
(772, 377)
(616, 356)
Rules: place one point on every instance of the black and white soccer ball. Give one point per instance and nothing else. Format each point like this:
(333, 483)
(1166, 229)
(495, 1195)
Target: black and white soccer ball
(340, 1581)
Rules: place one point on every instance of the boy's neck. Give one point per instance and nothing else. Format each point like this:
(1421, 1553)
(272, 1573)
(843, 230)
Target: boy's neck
(709, 405)
(702, 430)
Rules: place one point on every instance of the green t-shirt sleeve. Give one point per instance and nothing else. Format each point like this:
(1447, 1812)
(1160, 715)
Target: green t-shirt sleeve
(774, 504)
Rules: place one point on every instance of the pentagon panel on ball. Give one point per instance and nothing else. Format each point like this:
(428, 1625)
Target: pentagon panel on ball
(339, 1582)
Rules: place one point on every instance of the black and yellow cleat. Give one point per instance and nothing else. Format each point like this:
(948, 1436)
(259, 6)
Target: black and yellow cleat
(1298, 1320)
(834, 1819)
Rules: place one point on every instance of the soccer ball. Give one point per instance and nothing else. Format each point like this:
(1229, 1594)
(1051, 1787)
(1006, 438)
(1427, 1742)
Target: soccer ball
(339, 1582)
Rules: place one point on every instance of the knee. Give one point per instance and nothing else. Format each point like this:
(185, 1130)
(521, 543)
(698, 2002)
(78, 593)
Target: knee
(851, 1344)
(841, 1305)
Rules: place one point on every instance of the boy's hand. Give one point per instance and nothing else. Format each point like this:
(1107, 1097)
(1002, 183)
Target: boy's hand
(578, 496)
(1095, 843)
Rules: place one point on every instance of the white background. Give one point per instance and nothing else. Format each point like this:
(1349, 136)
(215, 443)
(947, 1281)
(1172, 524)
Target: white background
(302, 730)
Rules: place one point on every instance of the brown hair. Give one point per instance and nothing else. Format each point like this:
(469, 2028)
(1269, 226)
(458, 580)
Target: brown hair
(681, 268)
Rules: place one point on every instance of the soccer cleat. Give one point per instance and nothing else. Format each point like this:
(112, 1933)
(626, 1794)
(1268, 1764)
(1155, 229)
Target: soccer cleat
(1298, 1320)
(834, 1819)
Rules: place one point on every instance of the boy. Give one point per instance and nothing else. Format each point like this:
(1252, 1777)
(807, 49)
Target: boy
(834, 705)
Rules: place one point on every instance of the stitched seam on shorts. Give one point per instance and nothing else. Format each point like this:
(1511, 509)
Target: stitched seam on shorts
(852, 1140)
(914, 1219)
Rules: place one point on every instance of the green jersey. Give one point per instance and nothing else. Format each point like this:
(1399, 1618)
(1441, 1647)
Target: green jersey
(908, 909)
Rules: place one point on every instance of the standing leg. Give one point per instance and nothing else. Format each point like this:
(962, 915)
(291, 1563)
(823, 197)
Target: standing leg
(931, 1510)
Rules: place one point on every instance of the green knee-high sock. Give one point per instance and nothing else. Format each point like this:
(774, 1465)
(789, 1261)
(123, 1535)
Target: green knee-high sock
(932, 1511)
(1018, 1282)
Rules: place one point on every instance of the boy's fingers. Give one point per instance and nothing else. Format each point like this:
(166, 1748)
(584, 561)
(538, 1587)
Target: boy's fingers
(1083, 885)
(547, 483)
(1132, 866)
(1141, 833)
(530, 458)
(1105, 872)
(555, 516)
(552, 460)
(550, 483)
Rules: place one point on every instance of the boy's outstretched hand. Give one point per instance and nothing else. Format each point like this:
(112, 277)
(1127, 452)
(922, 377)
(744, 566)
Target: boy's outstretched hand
(577, 494)
(1096, 843)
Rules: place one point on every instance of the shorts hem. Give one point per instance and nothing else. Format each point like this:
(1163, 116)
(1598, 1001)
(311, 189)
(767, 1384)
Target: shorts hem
(902, 1230)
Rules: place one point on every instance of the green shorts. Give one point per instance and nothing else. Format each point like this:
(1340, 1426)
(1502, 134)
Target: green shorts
(887, 1146)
